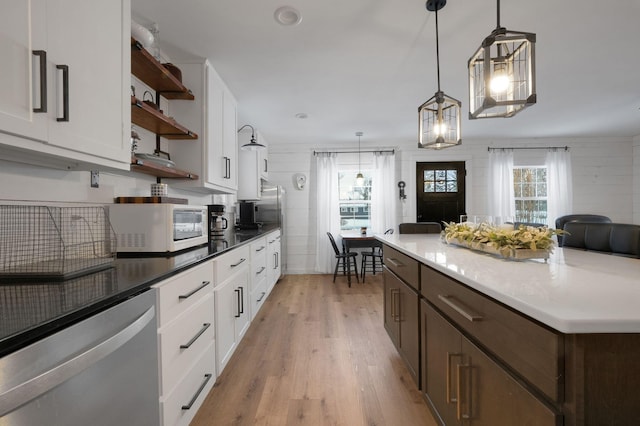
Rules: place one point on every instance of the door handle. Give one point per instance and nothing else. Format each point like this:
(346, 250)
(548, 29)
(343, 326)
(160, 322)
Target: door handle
(42, 56)
(261, 270)
(241, 300)
(237, 291)
(65, 92)
(459, 414)
(395, 262)
(236, 264)
(450, 399)
(459, 309)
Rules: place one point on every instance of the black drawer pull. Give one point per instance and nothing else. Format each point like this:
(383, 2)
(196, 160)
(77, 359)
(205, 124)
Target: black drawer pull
(260, 249)
(236, 264)
(261, 297)
(261, 270)
(207, 377)
(194, 338)
(195, 290)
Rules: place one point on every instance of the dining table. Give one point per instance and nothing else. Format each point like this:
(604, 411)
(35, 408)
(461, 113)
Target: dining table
(354, 238)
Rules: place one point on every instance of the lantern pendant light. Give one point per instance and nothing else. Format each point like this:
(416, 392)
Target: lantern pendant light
(502, 75)
(359, 176)
(439, 117)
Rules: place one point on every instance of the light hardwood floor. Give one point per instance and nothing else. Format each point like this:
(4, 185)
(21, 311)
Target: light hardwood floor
(317, 353)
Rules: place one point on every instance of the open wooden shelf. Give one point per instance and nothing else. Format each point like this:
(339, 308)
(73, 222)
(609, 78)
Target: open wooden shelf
(149, 168)
(155, 121)
(155, 75)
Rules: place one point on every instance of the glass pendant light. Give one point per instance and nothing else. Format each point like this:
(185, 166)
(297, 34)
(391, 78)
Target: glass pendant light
(359, 176)
(439, 117)
(502, 75)
(253, 144)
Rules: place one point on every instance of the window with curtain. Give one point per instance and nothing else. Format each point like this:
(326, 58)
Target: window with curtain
(355, 200)
(530, 194)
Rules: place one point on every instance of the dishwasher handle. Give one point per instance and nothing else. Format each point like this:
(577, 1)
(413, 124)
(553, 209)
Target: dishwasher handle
(42, 383)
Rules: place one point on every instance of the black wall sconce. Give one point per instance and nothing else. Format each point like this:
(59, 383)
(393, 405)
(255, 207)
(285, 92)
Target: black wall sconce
(401, 185)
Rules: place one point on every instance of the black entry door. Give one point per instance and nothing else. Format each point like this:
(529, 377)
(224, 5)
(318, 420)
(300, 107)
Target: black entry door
(440, 191)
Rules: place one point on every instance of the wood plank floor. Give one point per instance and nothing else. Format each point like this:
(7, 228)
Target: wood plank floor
(317, 353)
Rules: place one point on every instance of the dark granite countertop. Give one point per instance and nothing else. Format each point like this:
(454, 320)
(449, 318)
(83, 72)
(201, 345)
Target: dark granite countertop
(30, 311)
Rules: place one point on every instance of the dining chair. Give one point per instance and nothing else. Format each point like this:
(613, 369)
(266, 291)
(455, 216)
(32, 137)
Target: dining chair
(369, 258)
(344, 259)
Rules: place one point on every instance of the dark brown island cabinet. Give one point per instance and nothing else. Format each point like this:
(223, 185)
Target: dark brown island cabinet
(480, 362)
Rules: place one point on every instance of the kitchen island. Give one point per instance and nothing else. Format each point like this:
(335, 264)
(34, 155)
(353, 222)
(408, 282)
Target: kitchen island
(555, 341)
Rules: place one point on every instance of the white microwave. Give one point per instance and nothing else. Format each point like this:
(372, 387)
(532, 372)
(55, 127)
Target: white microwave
(158, 228)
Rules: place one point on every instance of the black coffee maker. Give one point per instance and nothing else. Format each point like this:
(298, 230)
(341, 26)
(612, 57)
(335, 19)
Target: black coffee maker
(217, 222)
(247, 215)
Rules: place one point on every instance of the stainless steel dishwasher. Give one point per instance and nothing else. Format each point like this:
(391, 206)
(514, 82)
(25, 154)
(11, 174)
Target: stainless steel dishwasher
(100, 371)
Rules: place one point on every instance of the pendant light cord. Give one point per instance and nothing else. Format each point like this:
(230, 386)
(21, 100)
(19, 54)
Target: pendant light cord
(498, 13)
(438, 49)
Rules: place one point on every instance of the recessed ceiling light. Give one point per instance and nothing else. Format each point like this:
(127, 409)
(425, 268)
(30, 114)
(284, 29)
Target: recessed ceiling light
(302, 115)
(287, 15)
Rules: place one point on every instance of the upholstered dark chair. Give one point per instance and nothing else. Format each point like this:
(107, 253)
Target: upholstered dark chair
(372, 259)
(562, 220)
(615, 238)
(420, 228)
(344, 259)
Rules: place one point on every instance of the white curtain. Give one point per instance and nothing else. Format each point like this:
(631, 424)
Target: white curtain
(501, 202)
(559, 184)
(383, 192)
(327, 210)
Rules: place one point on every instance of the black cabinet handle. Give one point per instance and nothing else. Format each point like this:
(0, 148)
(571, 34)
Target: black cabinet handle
(198, 334)
(236, 264)
(241, 300)
(42, 55)
(207, 377)
(237, 291)
(260, 249)
(65, 92)
(261, 270)
(266, 164)
(195, 290)
(261, 296)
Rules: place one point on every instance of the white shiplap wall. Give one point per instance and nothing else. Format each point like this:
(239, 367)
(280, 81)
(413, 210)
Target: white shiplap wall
(606, 181)
(606, 177)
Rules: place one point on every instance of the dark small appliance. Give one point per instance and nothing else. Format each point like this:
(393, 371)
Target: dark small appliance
(217, 222)
(247, 215)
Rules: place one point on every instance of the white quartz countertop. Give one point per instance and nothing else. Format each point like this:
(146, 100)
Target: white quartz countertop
(574, 291)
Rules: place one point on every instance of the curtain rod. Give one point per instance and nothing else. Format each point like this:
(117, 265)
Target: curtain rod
(381, 151)
(566, 148)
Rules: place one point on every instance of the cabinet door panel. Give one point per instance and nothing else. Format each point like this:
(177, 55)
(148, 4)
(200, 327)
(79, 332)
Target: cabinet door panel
(492, 397)
(230, 139)
(22, 29)
(409, 329)
(391, 305)
(443, 353)
(92, 48)
(225, 312)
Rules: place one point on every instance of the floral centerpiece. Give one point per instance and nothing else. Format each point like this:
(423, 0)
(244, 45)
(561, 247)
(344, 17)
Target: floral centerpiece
(523, 242)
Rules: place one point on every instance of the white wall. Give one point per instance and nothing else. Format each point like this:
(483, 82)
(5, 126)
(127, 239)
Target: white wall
(606, 181)
(606, 178)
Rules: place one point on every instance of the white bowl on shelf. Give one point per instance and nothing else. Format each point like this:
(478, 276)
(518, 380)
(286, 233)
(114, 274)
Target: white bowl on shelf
(142, 34)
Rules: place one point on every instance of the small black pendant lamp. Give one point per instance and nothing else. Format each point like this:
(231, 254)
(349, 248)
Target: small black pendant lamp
(439, 117)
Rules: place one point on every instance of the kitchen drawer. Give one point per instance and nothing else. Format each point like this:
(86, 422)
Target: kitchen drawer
(258, 271)
(197, 382)
(229, 263)
(183, 340)
(258, 296)
(402, 265)
(273, 236)
(177, 294)
(532, 350)
(258, 248)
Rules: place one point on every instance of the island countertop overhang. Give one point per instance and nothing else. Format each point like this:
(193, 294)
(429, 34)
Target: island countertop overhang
(574, 291)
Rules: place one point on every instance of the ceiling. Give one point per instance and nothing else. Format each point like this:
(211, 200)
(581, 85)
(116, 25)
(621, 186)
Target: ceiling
(366, 65)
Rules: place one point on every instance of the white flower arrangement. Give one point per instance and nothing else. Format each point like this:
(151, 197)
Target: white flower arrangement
(507, 241)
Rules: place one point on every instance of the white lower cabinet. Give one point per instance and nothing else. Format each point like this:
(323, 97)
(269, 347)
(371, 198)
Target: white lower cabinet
(274, 267)
(258, 279)
(186, 342)
(232, 308)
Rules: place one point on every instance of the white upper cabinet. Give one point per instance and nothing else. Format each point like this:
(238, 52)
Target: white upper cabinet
(213, 116)
(64, 91)
(253, 167)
